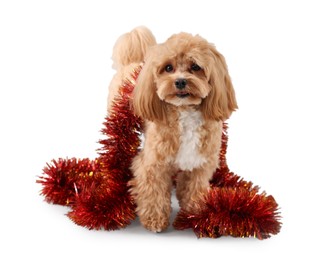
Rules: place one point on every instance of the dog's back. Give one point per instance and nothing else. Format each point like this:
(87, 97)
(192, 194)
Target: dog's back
(128, 52)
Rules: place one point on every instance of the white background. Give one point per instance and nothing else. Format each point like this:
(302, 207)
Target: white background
(55, 68)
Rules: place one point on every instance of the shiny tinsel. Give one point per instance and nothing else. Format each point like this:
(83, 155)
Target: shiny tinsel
(62, 179)
(231, 207)
(106, 202)
(97, 190)
(229, 211)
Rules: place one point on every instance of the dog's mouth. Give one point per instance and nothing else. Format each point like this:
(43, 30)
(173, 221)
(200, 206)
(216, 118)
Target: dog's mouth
(182, 98)
(182, 94)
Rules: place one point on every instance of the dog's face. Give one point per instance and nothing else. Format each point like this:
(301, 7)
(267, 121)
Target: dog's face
(184, 71)
(181, 75)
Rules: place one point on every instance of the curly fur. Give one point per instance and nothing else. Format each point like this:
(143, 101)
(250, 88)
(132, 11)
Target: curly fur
(128, 53)
(183, 93)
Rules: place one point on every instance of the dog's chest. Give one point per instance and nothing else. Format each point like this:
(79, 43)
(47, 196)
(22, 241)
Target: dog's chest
(189, 156)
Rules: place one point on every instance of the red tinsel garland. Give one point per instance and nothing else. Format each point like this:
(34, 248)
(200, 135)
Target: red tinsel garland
(97, 191)
(105, 202)
(231, 207)
(235, 212)
(62, 180)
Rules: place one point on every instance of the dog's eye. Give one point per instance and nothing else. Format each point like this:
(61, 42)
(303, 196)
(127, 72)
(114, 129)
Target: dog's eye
(169, 68)
(195, 67)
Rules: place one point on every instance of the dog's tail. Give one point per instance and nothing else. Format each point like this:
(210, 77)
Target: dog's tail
(132, 46)
(128, 53)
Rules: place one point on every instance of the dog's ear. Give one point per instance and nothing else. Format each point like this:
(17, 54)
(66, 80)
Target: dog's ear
(221, 101)
(146, 102)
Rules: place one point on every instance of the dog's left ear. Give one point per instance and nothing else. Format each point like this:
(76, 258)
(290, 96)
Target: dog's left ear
(221, 101)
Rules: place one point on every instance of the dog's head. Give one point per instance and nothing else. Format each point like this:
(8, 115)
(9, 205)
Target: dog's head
(186, 70)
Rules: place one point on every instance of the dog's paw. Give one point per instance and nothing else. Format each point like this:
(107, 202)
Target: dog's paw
(155, 224)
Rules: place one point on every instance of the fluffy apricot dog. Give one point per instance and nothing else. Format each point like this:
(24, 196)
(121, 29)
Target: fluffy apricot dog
(183, 94)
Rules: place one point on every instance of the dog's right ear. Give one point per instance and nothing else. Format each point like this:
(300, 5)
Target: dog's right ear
(146, 103)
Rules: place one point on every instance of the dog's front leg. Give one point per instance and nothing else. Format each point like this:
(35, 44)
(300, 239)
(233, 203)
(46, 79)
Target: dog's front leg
(192, 186)
(151, 189)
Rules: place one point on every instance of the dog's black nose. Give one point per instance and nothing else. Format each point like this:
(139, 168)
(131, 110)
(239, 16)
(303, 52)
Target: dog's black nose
(180, 83)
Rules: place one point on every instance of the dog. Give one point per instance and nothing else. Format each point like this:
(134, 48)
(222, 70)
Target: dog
(183, 93)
